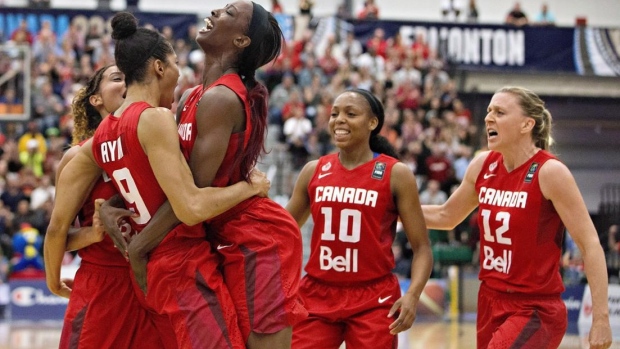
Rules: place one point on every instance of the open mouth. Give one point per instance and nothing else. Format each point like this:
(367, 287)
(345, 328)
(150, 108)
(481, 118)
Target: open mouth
(208, 25)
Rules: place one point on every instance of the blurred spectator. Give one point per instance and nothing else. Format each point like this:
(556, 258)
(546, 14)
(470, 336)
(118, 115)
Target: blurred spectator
(32, 133)
(21, 34)
(43, 193)
(451, 10)
(439, 166)
(544, 17)
(280, 96)
(613, 238)
(10, 103)
(32, 158)
(297, 130)
(369, 11)
(276, 7)
(373, 61)
(463, 158)
(378, 42)
(433, 195)
(516, 16)
(305, 7)
(351, 47)
(420, 47)
(472, 12)
(24, 215)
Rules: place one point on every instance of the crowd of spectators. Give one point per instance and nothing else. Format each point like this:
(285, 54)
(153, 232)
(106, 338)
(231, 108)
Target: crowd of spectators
(425, 119)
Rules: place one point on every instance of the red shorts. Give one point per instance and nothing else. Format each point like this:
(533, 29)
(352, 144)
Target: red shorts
(183, 282)
(104, 312)
(356, 315)
(519, 321)
(261, 246)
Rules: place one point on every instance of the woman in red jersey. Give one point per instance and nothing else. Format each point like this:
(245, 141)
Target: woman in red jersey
(355, 197)
(101, 296)
(222, 123)
(138, 148)
(526, 197)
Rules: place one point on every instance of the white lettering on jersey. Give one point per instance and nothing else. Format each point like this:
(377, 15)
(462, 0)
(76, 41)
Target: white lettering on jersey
(347, 195)
(111, 150)
(346, 263)
(502, 198)
(501, 263)
(185, 131)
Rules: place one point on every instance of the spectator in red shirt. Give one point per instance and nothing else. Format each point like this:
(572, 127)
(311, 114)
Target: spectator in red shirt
(370, 10)
(21, 34)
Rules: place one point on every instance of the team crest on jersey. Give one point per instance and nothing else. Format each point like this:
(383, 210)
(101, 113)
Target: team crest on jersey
(493, 166)
(530, 173)
(326, 167)
(379, 170)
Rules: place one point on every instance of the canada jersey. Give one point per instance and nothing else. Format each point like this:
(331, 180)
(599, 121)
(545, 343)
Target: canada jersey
(117, 150)
(228, 172)
(354, 220)
(102, 252)
(521, 233)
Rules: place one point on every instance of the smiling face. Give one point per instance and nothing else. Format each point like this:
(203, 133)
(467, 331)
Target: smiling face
(351, 120)
(225, 25)
(506, 122)
(111, 92)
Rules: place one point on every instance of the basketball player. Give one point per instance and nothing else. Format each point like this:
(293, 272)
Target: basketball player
(137, 147)
(355, 197)
(222, 123)
(101, 294)
(526, 198)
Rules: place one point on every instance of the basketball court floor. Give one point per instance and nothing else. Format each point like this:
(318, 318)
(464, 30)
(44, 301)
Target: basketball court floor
(423, 335)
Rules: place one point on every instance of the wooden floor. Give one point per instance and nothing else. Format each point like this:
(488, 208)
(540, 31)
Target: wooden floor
(423, 335)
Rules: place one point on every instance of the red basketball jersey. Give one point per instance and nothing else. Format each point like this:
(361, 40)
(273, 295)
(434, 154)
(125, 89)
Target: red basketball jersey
(228, 172)
(520, 231)
(104, 251)
(354, 220)
(118, 151)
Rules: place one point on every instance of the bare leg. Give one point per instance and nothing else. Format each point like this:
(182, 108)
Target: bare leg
(278, 340)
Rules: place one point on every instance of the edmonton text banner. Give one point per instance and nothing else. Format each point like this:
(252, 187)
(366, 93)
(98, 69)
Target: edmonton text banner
(579, 50)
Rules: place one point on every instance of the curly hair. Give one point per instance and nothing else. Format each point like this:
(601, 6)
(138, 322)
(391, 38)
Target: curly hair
(86, 118)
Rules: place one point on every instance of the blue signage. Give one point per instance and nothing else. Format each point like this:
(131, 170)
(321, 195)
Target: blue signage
(32, 300)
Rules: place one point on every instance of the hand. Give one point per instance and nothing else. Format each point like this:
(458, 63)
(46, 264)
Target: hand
(407, 305)
(98, 228)
(600, 335)
(113, 219)
(63, 288)
(260, 183)
(138, 263)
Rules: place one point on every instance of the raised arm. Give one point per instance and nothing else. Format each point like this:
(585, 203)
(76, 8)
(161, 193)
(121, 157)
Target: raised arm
(158, 136)
(75, 182)
(558, 185)
(460, 204)
(299, 204)
(405, 191)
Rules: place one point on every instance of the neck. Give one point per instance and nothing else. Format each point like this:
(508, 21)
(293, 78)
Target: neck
(352, 158)
(519, 155)
(215, 67)
(148, 92)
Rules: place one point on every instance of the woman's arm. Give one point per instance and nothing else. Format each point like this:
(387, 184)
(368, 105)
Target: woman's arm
(558, 185)
(158, 136)
(75, 182)
(405, 191)
(460, 204)
(299, 204)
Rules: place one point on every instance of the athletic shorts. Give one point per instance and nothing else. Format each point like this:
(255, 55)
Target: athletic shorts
(355, 314)
(260, 244)
(519, 321)
(104, 312)
(183, 282)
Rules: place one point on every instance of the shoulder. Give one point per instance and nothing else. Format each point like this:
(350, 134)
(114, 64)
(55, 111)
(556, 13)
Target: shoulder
(553, 171)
